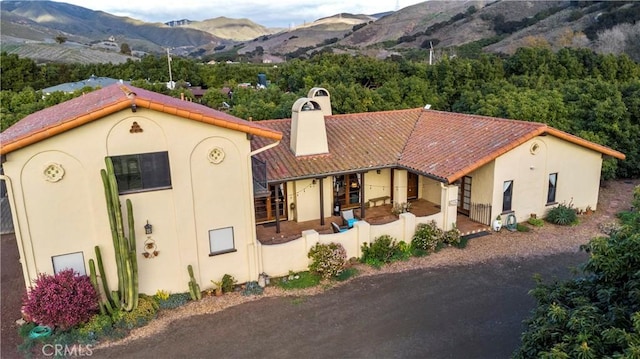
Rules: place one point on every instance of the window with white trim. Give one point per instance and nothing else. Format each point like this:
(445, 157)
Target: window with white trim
(221, 241)
(553, 184)
(73, 261)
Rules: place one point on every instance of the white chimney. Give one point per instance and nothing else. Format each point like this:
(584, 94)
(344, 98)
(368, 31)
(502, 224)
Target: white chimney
(322, 97)
(308, 132)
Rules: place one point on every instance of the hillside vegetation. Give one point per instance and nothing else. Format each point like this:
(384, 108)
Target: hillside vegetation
(596, 97)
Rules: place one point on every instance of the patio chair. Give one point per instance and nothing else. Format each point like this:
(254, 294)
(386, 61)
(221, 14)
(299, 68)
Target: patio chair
(349, 218)
(336, 228)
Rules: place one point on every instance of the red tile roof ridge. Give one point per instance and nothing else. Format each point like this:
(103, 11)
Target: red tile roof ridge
(94, 105)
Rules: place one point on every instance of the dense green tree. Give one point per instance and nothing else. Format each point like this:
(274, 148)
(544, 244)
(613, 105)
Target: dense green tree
(596, 315)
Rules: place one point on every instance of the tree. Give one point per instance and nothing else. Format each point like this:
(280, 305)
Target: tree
(61, 39)
(596, 315)
(124, 49)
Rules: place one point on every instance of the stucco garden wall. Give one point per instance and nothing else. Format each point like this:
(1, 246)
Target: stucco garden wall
(279, 259)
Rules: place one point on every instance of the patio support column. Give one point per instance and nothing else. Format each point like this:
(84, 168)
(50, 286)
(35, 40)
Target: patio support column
(277, 211)
(362, 195)
(321, 200)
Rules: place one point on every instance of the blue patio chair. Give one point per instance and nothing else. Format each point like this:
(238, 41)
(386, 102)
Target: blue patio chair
(349, 218)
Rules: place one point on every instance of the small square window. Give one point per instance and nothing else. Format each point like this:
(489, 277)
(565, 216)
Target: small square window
(221, 241)
(73, 261)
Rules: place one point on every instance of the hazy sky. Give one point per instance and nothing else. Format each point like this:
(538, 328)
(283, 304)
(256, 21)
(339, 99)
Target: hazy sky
(270, 13)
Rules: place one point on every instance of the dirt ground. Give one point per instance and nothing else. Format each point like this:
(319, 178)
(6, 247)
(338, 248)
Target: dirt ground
(615, 196)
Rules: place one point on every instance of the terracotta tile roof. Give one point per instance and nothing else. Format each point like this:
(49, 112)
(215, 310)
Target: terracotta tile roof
(357, 142)
(441, 145)
(97, 104)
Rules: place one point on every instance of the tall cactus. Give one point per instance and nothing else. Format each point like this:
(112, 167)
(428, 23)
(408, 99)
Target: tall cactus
(194, 287)
(126, 297)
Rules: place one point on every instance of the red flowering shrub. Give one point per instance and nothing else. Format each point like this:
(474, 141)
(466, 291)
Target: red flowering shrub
(62, 300)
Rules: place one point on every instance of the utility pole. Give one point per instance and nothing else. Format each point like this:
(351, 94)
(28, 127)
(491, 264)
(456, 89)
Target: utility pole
(170, 75)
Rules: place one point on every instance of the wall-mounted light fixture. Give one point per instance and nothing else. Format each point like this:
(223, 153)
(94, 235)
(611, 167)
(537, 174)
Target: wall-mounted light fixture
(314, 181)
(378, 171)
(148, 229)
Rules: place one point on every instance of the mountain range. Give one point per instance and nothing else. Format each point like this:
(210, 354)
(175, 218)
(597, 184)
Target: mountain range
(52, 31)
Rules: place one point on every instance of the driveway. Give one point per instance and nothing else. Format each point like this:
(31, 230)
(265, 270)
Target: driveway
(473, 311)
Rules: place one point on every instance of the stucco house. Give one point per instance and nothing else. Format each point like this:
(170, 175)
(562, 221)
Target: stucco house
(206, 181)
(185, 167)
(474, 166)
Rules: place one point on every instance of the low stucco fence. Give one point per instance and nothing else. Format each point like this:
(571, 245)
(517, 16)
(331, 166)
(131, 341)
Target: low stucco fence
(278, 259)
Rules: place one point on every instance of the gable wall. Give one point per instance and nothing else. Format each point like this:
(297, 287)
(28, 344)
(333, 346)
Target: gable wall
(578, 176)
(70, 215)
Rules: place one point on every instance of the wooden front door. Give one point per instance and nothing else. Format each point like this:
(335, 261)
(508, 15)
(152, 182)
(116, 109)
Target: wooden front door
(266, 207)
(346, 190)
(412, 186)
(464, 195)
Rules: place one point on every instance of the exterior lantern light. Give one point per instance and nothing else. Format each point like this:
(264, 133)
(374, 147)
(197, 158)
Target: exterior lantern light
(148, 229)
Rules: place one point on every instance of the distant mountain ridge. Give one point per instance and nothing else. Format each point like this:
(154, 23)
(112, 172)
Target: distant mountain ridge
(34, 28)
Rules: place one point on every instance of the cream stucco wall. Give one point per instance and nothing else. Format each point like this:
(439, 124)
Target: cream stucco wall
(578, 171)
(70, 215)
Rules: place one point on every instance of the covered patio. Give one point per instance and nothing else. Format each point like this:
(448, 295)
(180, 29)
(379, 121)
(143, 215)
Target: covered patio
(290, 230)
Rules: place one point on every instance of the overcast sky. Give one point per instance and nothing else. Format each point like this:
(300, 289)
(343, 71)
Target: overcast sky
(270, 13)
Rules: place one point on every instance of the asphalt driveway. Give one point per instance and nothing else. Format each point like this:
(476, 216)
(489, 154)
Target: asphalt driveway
(456, 312)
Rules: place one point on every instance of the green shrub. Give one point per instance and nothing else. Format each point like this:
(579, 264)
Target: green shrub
(298, 280)
(522, 228)
(98, 327)
(346, 274)
(426, 239)
(252, 288)
(384, 249)
(228, 283)
(173, 300)
(452, 237)
(327, 260)
(536, 222)
(145, 312)
(563, 215)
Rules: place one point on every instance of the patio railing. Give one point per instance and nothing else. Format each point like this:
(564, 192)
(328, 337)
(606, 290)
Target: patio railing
(481, 213)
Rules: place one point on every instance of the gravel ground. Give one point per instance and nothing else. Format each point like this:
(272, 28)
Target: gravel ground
(615, 196)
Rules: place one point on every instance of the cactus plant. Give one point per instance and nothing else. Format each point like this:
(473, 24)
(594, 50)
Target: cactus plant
(194, 288)
(126, 297)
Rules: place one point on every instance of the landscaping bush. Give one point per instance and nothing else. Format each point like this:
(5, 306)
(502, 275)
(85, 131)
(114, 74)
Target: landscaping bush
(145, 312)
(99, 326)
(522, 228)
(384, 249)
(252, 288)
(228, 283)
(596, 315)
(426, 239)
(563, 215)
(536, 222)
(172, 300)
(63, 300)
(298, 280)
(452, 237)
(327, 260)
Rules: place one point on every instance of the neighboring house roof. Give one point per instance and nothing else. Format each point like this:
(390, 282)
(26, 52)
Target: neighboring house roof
(441, 145)
(100, 103)
(92, 81)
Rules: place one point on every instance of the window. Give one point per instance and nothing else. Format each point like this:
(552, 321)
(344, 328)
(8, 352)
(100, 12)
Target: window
(553, 183)
(507, 195)
(142, 172)
(221, 241)
(74, 261)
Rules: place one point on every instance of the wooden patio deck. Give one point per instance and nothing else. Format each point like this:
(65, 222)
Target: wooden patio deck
(290, 230)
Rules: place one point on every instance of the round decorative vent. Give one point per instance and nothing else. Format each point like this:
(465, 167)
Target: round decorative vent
(53, 172)
(535, 148)
(216, 155)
